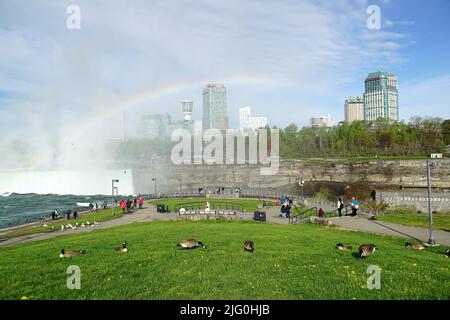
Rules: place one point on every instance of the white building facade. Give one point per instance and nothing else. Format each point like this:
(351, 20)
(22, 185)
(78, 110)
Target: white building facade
(247, 122)
(354, 109)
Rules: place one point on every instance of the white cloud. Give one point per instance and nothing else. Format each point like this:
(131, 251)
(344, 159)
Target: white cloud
(126, 47)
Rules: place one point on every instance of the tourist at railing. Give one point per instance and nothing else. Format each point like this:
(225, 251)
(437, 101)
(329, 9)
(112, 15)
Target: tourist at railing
(321, 214)
(355, 207)
(288, 208)
(340, 206)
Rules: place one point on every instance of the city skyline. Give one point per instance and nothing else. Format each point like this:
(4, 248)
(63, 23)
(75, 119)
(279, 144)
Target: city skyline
(290, 61)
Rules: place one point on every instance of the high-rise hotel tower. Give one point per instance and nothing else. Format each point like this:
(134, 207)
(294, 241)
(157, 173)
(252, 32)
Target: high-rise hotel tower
(381, 96)
(215, 107)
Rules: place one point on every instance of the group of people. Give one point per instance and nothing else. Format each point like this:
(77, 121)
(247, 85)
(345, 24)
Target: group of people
(286, 205)
(68, 213)
(218, 190)
(354, 204)
(131, 203)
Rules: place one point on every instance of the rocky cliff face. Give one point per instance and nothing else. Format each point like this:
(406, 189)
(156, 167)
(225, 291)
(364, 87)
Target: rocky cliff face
(381, 174)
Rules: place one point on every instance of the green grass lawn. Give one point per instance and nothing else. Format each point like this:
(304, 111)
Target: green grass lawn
(290, 262)
(99, 216)
(440, 221)
(246, 204)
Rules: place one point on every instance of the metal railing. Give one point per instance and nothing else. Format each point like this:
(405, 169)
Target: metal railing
(200, 205)
(303, 215)
(335, 213)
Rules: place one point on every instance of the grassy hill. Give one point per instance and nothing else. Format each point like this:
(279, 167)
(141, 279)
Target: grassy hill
(290, 262)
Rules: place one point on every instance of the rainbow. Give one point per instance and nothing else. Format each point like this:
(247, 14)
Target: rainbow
(146, 96)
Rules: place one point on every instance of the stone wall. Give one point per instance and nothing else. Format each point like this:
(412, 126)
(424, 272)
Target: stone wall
(440, 201)
(379, 174)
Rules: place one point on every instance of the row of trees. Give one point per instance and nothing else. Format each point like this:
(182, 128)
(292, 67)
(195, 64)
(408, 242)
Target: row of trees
(363, 138)
(419, 137)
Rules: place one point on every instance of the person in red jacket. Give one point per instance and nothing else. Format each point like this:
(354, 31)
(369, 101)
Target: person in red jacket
(321, 214)
(140, 202)
(123, 206)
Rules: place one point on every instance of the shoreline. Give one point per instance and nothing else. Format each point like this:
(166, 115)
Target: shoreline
(38, 223)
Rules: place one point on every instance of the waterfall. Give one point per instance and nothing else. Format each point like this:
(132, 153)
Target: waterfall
(77, 182)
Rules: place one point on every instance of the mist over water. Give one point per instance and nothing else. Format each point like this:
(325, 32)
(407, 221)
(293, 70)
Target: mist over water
(17, 209)
(77, 182)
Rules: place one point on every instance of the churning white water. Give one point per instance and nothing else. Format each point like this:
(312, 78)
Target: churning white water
(82, 182)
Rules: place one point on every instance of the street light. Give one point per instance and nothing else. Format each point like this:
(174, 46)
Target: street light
(301, 183)
(154, 179)
(259, 190)
(112, 189)
(431, 239)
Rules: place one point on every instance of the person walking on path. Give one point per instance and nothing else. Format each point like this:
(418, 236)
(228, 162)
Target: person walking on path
(340, 206)
(283, 211)
(75, 214)
(128, 205)
(140, 202)
(355, 207)
(134, 202)
(68, 214)
(123, 206)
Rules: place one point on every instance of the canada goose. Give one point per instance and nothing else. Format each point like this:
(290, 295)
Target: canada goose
(190, 243)
(249, 246)
(366, 250)
(83, 226)
(88, 223)
(62, 227)
(340, 246)
(66, 254)
(123, 248)
(448, 253)
(414, 246)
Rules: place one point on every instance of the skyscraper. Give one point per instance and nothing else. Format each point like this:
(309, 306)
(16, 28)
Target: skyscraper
(354, 109)
(381, 96)
(215, 107)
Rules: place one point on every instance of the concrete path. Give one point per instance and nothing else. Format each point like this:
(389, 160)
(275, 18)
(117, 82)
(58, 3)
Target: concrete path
(146, 214)
(391, 229)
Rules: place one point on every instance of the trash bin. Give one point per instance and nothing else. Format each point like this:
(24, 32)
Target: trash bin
(262, 216)
(256, 216)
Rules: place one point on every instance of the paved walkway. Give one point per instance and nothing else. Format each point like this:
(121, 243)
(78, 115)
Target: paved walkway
(391, 229)
(272, 216)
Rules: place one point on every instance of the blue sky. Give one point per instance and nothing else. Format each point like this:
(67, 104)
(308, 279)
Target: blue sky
(314, 53)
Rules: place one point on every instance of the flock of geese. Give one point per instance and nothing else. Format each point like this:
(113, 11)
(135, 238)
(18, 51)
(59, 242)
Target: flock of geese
(185, 244)
(364, 250)
(73, 226)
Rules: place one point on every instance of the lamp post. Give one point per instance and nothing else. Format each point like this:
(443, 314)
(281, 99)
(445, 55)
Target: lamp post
(431, 239)
(179, 180)
(259, 190)
(112, 189)
(154, 179)
(301, 183)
